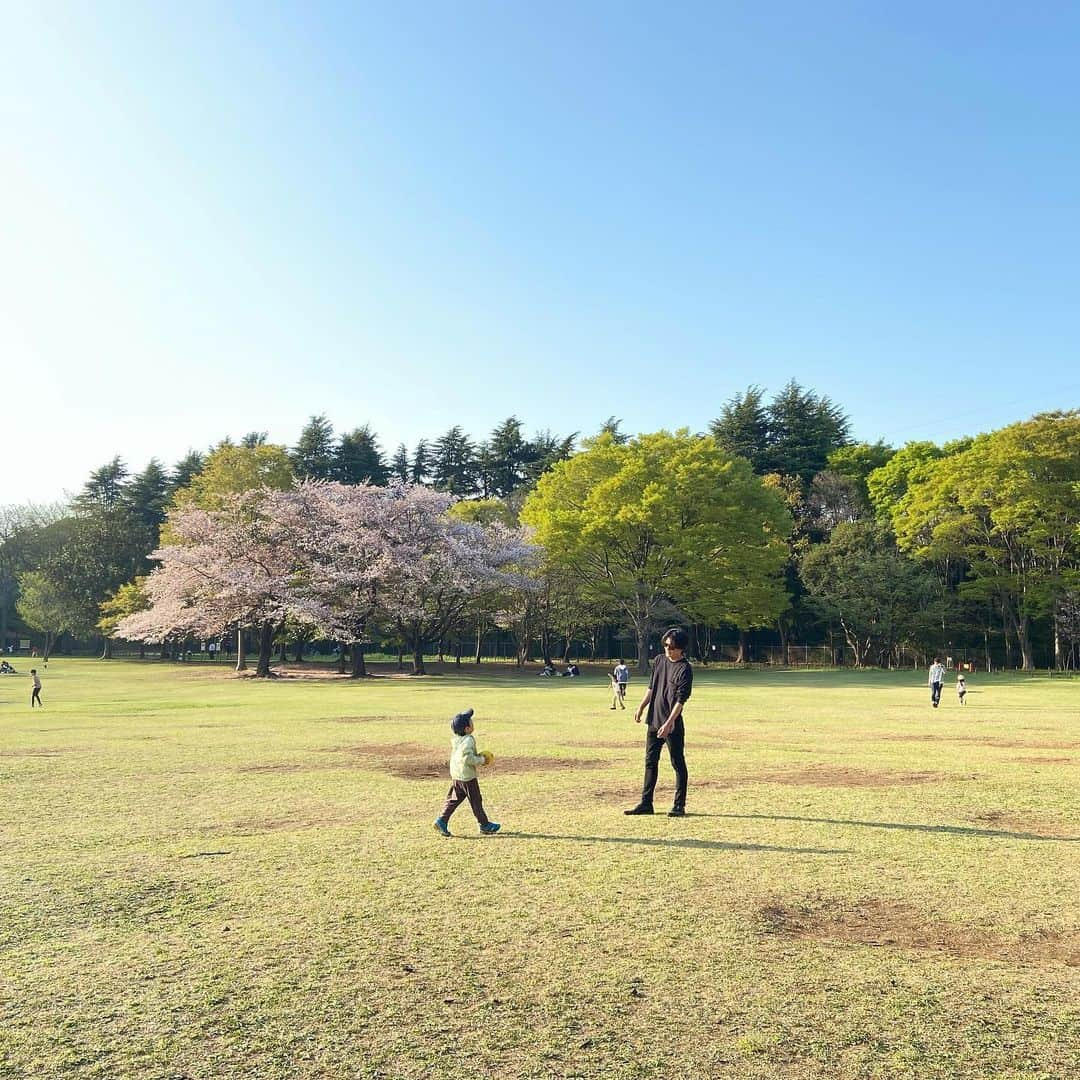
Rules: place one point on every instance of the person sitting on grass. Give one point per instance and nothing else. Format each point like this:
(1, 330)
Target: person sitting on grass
(464, 758)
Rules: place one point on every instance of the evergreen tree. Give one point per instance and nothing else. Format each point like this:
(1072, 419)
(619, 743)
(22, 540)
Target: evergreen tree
(359, 460)
(313, 456)
(146, 496)
(804, 429)
(186, 469)
(454, 466)
(253, 439)
(105, 487)
(742, 428)
(421, 463)
(399, 464)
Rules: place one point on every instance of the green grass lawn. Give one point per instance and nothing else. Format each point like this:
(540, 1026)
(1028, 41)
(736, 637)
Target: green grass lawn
(203, 876)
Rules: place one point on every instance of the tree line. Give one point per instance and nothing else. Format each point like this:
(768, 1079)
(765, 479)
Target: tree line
(772, 528)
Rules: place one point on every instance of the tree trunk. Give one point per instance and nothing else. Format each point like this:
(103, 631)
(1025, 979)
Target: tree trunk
(241, 649)
(479, 641)
(418, 660)
(442, 650)
(743, 656)
(142, 650)
(341, 658)
(1023, 635)
(641, 632)
(266, 649)
(106, 649)
(400, 658)
(298, 651)
(48, 645)
(785, 647)
(457, 650)
(283, 652)
(359, 668)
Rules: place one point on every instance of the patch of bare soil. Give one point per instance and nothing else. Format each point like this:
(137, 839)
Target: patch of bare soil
(990, 740)
(607, 744)
(1035, 759)
(1016, 823)
(840, 776)
(410, 761)
(369, 719)
(899, 925)
(260, 826)
(58, 751)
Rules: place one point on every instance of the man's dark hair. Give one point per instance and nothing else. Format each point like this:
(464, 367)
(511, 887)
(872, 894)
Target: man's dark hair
(677, 637)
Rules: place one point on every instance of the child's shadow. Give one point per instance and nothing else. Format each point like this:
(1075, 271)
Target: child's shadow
(649, 841)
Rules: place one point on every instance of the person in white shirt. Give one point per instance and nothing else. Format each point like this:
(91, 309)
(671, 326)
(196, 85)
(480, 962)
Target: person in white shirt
(961, 688)
(619, 679)
(937, 677)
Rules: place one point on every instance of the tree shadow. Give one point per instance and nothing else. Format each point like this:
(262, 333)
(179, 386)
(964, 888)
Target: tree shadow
(649, 841)
(954, 830)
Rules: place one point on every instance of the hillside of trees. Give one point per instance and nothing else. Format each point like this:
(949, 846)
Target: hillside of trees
(771, 536)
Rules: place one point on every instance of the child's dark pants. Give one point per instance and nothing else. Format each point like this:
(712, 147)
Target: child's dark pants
(460, 790)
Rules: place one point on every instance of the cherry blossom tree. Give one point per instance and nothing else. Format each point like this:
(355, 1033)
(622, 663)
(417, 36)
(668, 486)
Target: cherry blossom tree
(232, 566)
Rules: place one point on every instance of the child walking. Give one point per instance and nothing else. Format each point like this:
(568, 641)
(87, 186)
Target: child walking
(464, 758)
(961, 688)
(35, 694)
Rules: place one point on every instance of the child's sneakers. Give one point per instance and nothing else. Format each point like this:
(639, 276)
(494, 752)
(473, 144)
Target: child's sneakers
(441, 826)
(488, 829)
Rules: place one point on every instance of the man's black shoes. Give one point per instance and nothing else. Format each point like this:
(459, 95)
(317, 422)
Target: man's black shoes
(676, 811)
(639, 809)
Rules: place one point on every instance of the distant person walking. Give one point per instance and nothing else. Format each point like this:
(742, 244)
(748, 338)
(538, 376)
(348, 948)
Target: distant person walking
(961, 688)
(937, 677)
(669, 690)
(620, 677)
(35, 694)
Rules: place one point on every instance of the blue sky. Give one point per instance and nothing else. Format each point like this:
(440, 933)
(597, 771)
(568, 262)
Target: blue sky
(222, 218)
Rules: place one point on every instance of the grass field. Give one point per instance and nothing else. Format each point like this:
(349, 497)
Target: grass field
(204, 876)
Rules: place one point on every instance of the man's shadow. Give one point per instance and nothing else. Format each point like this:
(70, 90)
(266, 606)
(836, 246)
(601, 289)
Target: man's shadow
(954, 830)
(649, 841)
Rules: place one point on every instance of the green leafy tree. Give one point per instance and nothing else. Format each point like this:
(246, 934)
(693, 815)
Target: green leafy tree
(888, 483)
(1008, 506)
(665, 518)
(880, 598)
(232, 470)
(858, 460)
(44, 606)
(314, 453)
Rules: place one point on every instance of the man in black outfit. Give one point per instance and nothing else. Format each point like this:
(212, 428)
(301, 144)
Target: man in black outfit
(669, 690)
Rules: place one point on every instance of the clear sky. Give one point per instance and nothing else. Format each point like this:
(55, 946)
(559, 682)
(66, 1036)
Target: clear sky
(217, 218)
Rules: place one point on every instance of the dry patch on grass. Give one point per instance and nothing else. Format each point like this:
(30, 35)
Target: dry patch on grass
(53, 751)
(899, 925)
(983, 740)
(1016, 823)
(293, 823)
(847, 777)
(411, 761)
(1036, 759)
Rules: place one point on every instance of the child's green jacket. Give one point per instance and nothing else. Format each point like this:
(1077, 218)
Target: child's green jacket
(463, 757)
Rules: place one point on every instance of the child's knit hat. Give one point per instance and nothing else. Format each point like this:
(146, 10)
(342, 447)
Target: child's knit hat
(461, 722)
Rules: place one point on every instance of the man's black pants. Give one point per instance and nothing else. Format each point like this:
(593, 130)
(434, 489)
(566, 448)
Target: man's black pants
(653, 746)
(935, 694)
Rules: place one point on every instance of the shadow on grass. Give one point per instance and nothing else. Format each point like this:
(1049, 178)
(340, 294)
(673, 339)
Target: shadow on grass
(649, 841)
(953, 830)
